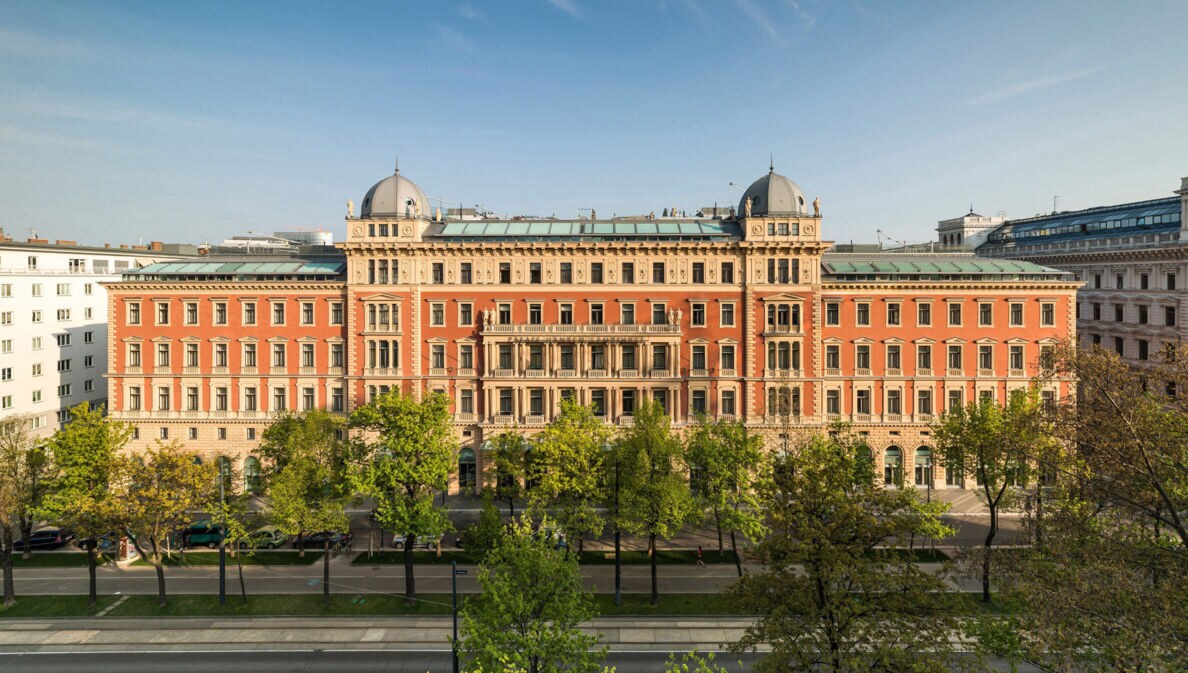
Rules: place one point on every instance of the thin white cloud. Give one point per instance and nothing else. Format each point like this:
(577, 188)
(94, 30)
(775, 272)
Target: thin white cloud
(22, 44)
(471, 12)
(1019, 88)
(807, 21)
(454, 38)
(758, 16)
(15, 135)
(568, 6)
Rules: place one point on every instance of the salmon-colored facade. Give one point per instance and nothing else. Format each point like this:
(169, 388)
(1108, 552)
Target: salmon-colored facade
(733, 315)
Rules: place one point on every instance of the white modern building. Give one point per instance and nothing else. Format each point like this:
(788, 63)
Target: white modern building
(969, 230)
(53, 323)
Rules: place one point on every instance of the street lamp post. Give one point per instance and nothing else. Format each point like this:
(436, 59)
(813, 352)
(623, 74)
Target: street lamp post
(454, 572)
(222, 541)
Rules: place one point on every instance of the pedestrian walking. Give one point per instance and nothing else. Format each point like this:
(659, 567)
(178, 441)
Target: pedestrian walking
(699, 561)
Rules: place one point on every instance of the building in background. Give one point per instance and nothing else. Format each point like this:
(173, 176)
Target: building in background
(1132, 261)
(969, 230)
(741, 315)
(53, 323)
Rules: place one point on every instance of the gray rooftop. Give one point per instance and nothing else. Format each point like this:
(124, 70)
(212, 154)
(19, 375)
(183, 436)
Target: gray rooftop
(586, 230)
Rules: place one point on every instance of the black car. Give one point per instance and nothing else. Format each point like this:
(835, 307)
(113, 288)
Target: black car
(46, 538)
(311, 540)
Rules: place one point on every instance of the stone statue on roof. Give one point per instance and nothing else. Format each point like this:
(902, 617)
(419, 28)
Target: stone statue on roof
(817, 207)
(350, 208)
(747, 207)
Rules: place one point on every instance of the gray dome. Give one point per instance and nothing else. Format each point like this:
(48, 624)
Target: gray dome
(395, 196)
(774, 194)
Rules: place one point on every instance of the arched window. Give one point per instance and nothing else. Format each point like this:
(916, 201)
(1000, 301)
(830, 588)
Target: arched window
(251, 475)
(864, 458)
(892, 466)
(197, 459)
(225, 473)
(467, 470)
(924, 466)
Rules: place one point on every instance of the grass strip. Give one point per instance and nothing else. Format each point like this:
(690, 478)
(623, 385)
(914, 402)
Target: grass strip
(28, 607)
(261, 558)
(630, 557)
(51, 560)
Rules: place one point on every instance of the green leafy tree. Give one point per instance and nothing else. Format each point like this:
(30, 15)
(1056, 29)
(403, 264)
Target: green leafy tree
(154, 495)
(725, 460)
(407, 453)
(654, 495)
(530, 608)
(484, 535)
(85, 452)
(694, 662)
(509, 451)
(1106, 586)
(996, 444)
(20, 462)
(832, 597)
(565, 470)
(306, 477)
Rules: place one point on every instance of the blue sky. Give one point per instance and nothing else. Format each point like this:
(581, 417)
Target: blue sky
(194, 121)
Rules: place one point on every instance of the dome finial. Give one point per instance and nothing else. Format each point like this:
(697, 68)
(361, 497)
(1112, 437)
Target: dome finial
(397, 171)
(771, 163)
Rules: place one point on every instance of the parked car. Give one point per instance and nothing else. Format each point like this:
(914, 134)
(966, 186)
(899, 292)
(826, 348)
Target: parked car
(426, 542)
(46, 538)
(108, 543)
(266, 537)
(202, 534)
(310, 540)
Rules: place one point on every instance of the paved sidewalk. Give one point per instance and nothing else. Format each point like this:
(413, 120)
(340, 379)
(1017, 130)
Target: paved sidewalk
(390, 633)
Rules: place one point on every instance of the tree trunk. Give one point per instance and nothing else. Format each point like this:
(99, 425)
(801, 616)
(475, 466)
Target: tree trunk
(718, 525)
(1039, 514)
(326, 570)
(410, 582)
(300, 546)
(986, 553)
(242, 587)
(6, 564)
(27, 535)
(92, 563)
(159, 564)
(737, 558)
(655, 588)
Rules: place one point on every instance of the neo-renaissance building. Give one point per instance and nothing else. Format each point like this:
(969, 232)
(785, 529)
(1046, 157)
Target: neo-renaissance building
(53, 323)
(1131, 260)
(741, 315)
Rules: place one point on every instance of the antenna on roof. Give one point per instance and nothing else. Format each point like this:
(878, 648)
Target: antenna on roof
(1055, 204)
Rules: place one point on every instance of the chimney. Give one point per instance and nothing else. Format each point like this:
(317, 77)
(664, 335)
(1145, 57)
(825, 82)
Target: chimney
(123, 246)
(107, 245)
(156, 245)
(38, 240)
(62, 242)
(1183, 192)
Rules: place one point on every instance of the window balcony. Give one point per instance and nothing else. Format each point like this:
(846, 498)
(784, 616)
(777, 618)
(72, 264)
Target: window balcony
(892, 418)
(504, 419)
(894, 372)
(252, 414)
(781, 329)
(278, 370)
(985, 372)
(381, 371)
(596, 373)
(698, 373)
(437, 371)
(219, 371)
(131, 370)
(469, 371)
(335, 371)
(833, 372)
(923, 372)
(626, 421)
(162, 369)
(727, 373)
(566, 373)
(862, 371)
(628, 373)
(505, 372)
(535, 419)
(955, 372)
(310, 371)
(1019, 373)
(581, 329)
(534, 373)
(248, 370)
(660, 373)
(464, 418)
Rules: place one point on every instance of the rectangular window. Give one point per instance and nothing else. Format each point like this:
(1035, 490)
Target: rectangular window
(335, 313)
(220, 355)
(697, 402)
(278, 313)
(191, 398)
(466, 401)
(893, 360)
(659, 357)
(466, 272)
(1118, 281)
(134, 313)
(307, 313)
(954, 314)
(832, 357)
(727, 315)
(1171, 281)
(627, 277)
(438, 273)
(598, 401)
(64, 365)
(307, 355)
(191, 355)
(659, 315)
(923, 315)
(534, 275)
(1169, 316)
(63, 314)
(134, 398)
(862, 401)
(249, 313)
(1096, 311)
(1048, 315)
(986, 314)
(250, 400)
(627, 314)
(63, 289)
(1144, 281)
(565, 314)
(279, 399)
(567, 357)
(595, 314)
(250, 434)
(566, 272)
(955, 399)
(893, 314)
(699, 272)
(191, 313)
(336, 355)
(437, 356)
(465, 315)
(627, 354)
(162, 355)
(833, 313)
(308, 399)
(1142, 314)
(1016, 314)
(465, 356)
(833, 402)
(163, 399)
(1117, 313)
(597, 356)
(536, 357)
(1016, 355)
(220, 313)
(862, 314)
(535, 314)
(220, 399)
(698, 359)
(505, 273)
(985, 357)
(249, 355)
(36, 289)
(222, 433)
(954, 357)
(726, 357)
(505, 356)
(133, 355)
(728, 403)
(536, 402)
(698, 315)
(596, 272)
(728, 273)
(894, 402)
(862, 357)
(1143, 349)
(437, 315)
(924, 402)
(658, 272)
(278, 355)
(162, 313)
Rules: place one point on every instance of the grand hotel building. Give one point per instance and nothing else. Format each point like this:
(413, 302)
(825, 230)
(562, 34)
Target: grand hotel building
(746, 314)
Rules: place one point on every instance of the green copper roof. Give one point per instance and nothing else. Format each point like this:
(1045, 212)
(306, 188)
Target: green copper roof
(240, 269)
(940, 267)
(588, 229)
